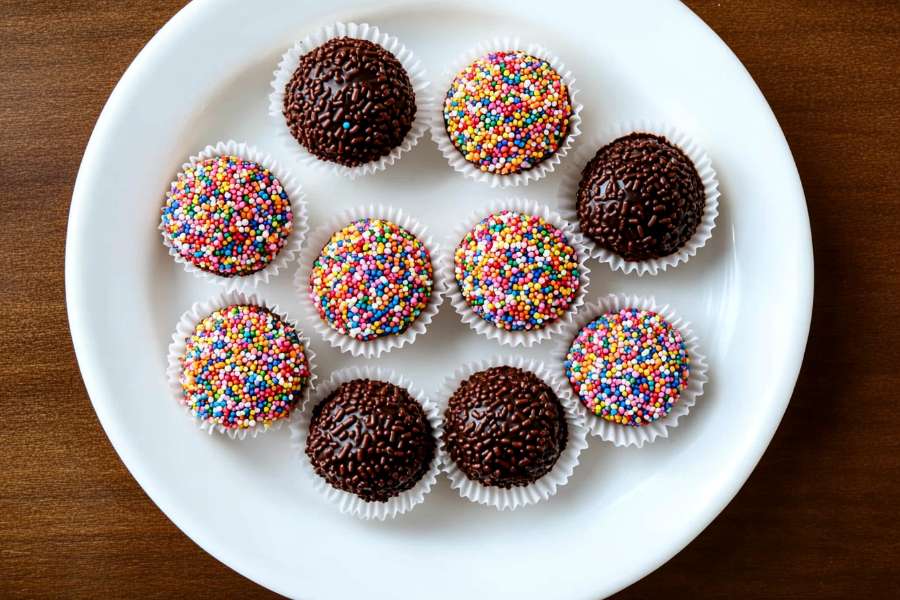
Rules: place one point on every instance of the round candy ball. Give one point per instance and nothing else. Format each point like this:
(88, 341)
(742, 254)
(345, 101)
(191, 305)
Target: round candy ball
(227, 216)
(517, 271)
(349, 102)
(628, 366)
(243, 367)
(372, 279)
(507, 111)
(504, 427)
(640, 197)
(370, 438)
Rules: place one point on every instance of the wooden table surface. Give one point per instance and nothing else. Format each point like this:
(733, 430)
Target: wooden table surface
(817, 519)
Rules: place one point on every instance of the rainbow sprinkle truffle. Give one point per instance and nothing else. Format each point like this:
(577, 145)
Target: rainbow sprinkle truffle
(243, 367)
(227, 216)
(517, 271)
(372, 279)
(507, 111)
(628, 366)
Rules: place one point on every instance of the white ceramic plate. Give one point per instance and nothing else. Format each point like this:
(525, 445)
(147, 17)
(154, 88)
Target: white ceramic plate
(205, 76)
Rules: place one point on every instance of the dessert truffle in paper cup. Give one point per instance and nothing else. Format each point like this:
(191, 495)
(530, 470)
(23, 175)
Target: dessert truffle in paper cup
(367, 280)
(517, 270)
(646, 197)
(634, 367)
(508, 113)
(233, 216)
(238, 365)
(512, 433)
(368, 441)
(349, 98)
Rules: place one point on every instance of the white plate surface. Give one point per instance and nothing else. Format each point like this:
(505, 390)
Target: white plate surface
(205, 77)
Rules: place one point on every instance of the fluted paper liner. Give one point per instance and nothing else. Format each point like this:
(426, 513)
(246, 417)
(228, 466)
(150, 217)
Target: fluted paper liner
(299, 222)
(351, 503)
(568, 192)
(455, 158)
(628, 435)
(524, 338)
(545, 487)
(317, 241)
(291, 59)
(185, 328)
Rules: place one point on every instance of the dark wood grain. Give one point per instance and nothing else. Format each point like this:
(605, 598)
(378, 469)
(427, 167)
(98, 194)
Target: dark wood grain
(817, 519)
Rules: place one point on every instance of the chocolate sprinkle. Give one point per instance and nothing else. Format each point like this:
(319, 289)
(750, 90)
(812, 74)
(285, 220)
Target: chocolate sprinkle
(640, 197)
(349, 101)
(370, 438)
(504, 427)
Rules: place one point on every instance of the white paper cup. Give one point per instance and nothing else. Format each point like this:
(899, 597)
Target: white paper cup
(351, 503)
(525, 338)
(568, 191)
(299, 221)
(457, 161)
(185, 329)
(629, 435)
(363, 31)
(545, 487)
(317, 241)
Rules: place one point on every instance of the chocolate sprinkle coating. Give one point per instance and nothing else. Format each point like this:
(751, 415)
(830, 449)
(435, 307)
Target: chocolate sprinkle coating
(640, 197)
(370, 438)
(350, 101)
(505, 427)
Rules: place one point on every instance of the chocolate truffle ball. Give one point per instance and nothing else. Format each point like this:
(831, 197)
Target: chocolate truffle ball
(504, 427)
(370, 438)
(349, 101)
(640, 197)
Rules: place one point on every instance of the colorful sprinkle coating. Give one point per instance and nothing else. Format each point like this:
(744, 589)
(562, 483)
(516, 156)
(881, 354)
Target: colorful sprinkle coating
(628, 367)
(243, 367)
(507, 111)
(517, 271)
(227, 216)
(372, 279)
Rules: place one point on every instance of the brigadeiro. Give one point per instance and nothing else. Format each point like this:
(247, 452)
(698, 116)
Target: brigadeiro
(504, 427)
(370, 438)
(634, 366)
(348, 98)
(508, 114)
(519, 272)
(238, 366)
(369, 280)
(646, 201)
(228, 214)
(628, 366)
